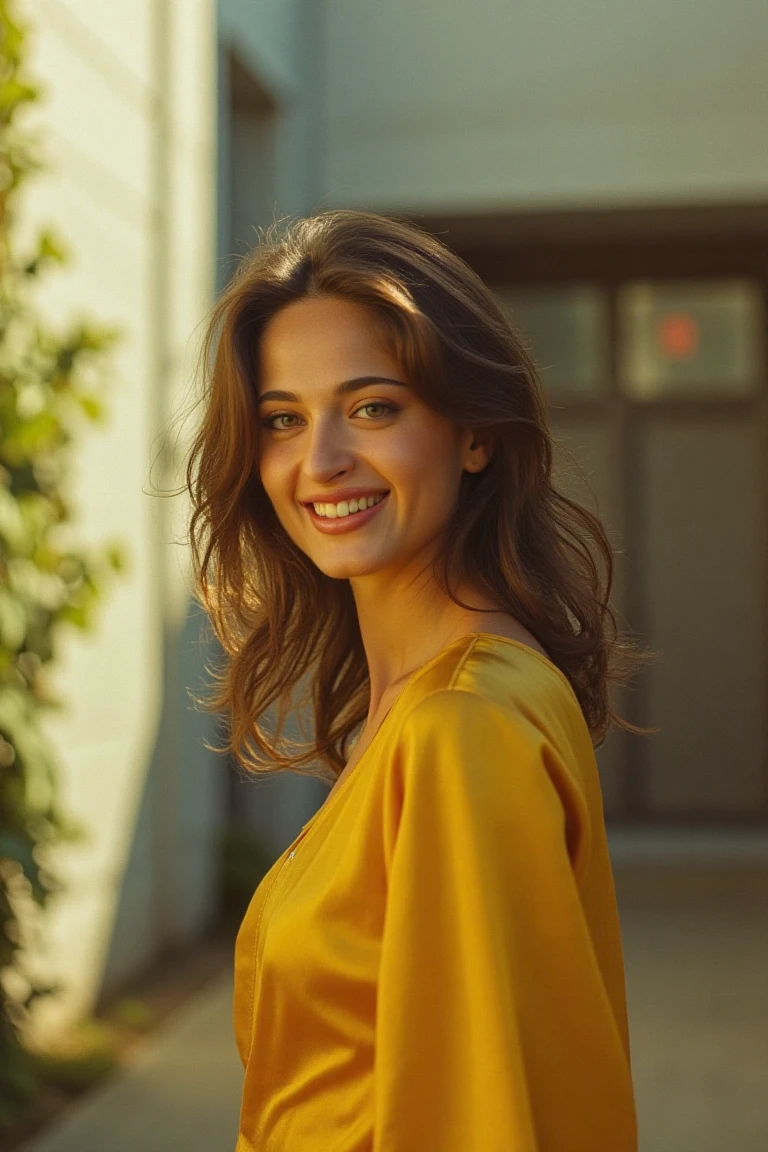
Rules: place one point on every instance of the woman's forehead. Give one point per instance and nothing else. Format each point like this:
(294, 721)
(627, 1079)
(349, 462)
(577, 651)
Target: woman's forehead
(315, 336)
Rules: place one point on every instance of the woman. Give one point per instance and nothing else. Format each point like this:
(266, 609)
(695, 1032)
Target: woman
(434, 964)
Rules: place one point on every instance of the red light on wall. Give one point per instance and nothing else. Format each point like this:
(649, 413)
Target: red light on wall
(677, 335)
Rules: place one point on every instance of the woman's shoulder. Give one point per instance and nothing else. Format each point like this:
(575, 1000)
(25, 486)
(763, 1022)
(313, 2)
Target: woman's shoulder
(500, 671)
(492, 698)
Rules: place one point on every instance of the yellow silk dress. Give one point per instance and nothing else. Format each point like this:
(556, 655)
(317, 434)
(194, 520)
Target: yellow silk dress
(435, 963)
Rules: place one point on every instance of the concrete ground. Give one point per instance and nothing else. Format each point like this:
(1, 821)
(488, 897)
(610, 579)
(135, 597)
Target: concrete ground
(181, 1090)
(696, 956)
(696, 952)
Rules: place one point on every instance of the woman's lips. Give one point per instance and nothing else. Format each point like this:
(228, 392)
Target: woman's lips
(339, 524)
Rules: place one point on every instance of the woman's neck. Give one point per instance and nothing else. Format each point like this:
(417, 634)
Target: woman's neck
(401, 635)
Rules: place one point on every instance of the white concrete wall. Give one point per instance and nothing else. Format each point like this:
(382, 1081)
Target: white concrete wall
(129, 118)
(542, 103)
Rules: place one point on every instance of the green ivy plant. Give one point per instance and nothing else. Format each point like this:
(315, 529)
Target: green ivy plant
(51, 387)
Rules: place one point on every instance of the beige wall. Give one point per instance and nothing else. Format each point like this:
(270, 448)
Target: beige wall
(539, 103)
(129, 119)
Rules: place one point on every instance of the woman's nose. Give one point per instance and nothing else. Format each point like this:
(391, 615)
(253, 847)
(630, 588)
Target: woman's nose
(328, 447)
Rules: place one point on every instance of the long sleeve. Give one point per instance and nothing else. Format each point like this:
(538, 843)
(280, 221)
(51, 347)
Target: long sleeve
(494, 1028)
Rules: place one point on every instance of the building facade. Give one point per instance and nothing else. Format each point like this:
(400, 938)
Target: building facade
(605, 169)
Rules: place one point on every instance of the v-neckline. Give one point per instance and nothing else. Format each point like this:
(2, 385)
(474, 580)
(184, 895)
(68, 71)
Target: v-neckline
(467, 638)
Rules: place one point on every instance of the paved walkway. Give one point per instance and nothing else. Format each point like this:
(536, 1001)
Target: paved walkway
(180, 1091)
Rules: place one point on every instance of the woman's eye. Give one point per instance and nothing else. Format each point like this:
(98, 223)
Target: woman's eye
(269, 421)
(379, 404)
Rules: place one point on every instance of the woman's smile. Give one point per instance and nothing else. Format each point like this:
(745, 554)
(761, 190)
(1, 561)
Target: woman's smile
(338, 522)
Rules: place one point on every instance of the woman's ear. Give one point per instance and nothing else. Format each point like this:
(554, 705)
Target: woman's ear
(478, 449)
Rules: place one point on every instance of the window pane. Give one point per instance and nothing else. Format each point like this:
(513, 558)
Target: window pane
(690, 338)
(566, 331)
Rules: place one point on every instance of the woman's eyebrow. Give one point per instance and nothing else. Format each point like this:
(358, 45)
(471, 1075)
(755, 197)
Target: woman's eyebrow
(340, 389)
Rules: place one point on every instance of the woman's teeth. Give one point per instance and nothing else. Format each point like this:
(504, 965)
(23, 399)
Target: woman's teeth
(348, 507)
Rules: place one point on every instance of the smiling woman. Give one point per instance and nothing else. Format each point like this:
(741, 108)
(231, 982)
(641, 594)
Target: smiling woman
(435, 963)
(372, 429)
(355, 353)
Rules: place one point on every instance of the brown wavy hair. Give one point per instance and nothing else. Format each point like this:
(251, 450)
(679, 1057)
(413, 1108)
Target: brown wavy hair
(282, 623)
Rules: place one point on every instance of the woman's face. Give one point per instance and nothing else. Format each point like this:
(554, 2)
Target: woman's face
(375, 436)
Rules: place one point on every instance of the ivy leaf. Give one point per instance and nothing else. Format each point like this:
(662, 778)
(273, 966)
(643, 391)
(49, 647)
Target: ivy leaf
(92, 407)
(14, 846)
(14, 92)
(13, 621)
(50, 250)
